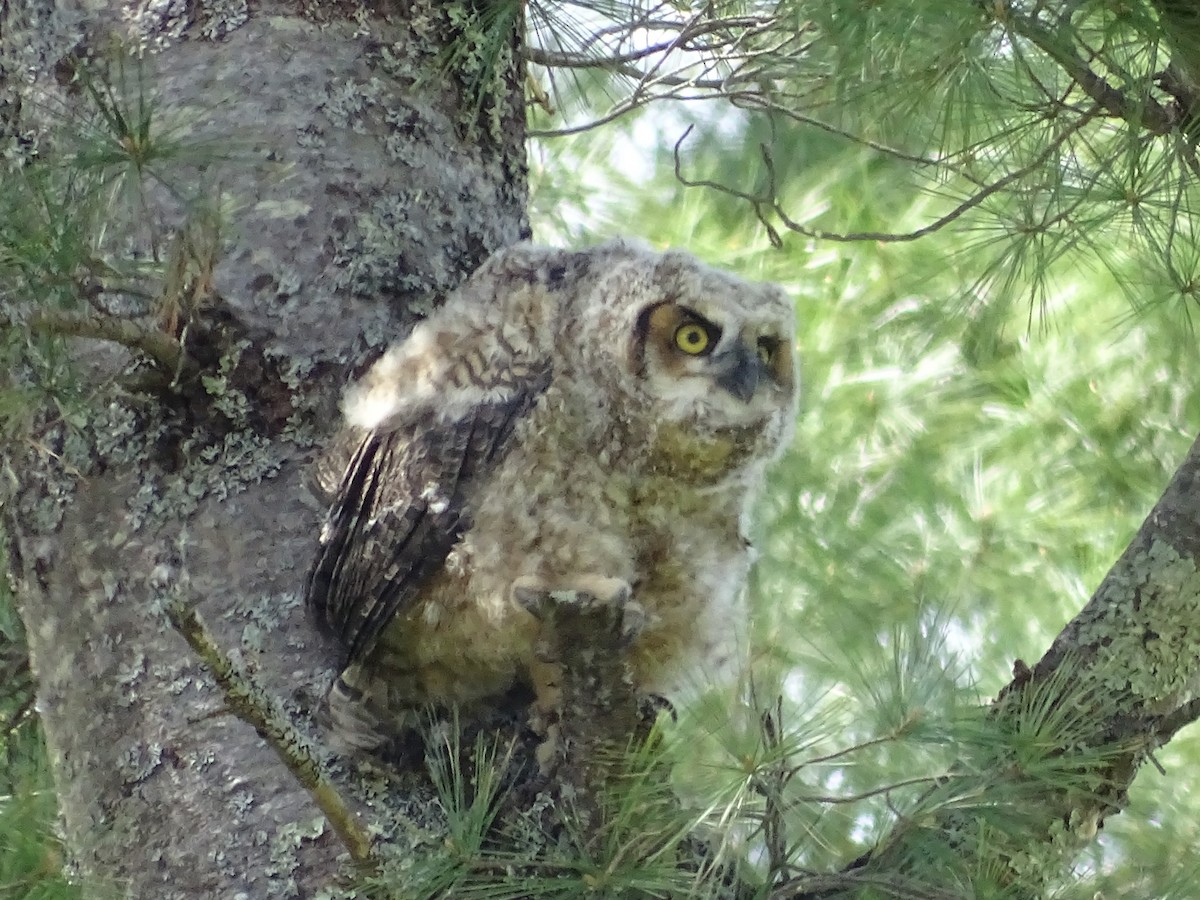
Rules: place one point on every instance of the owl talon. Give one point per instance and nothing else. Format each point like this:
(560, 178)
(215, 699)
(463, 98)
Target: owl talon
(652, 707)
(594, 595)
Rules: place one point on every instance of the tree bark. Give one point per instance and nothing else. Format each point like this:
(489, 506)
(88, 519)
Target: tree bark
(358, 178)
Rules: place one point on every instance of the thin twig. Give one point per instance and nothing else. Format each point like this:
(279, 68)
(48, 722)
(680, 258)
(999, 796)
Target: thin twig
(758, 103)
(712, 45)
(866, 795)
(845, 751)
(900, 237)
(758, 202)
(772, 786)
(250, 704)
(557, 59)
(159, 346)
(1143, 110)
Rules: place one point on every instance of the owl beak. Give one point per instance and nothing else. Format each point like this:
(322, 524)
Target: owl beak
(738, 371)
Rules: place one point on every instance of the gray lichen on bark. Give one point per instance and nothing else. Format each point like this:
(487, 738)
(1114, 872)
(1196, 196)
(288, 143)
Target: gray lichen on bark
(1139, 633)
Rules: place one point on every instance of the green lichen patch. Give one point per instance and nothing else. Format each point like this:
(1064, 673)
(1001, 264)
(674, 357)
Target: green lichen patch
(1145, 627)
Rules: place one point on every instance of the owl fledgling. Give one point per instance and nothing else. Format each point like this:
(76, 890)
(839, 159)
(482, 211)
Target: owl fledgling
(567, 420)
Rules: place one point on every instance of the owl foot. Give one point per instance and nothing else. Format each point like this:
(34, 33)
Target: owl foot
(652, 707)
(593, 601)
(580, 672)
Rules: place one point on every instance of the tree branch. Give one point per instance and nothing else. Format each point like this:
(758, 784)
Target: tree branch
(1115, 684)
(1180, 20)
(1144, 111)
(768, 199)
(159, 346)
(253, 705)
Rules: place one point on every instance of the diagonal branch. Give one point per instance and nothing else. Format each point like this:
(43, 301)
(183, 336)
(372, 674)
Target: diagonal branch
(250, 704)
(159, 346)
(1143, 111)
(1117, 683)
(767, 201)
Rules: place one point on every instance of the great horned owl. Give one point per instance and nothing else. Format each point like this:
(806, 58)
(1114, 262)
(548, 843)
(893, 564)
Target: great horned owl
(566, 420)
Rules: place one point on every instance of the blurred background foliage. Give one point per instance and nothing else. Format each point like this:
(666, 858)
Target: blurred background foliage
(989, 411)
(988, 414)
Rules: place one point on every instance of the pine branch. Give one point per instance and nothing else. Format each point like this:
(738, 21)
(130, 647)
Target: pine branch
(1180, 21)
(766, 202)
(705, 57)
(1143, 111)
(167, 352)
(1101, 700)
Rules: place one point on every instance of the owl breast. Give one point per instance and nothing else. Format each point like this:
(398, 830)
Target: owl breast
(561, 516)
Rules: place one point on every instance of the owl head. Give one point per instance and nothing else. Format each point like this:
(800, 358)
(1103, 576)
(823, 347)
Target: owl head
(704, 356)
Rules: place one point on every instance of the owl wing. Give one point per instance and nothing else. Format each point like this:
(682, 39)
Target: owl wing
(402, 504)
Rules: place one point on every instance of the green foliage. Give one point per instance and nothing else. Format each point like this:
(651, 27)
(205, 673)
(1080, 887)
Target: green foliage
(990, 410)
(30, 857)
(1050, 127)
(988, 414)
(64, 269)
(490, 853)
(481, 59)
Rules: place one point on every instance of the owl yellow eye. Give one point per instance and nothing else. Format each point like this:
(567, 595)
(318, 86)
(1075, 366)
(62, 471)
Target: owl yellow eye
(693, 338)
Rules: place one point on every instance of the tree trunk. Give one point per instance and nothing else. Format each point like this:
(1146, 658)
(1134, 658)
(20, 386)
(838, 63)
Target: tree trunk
(359, 173)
